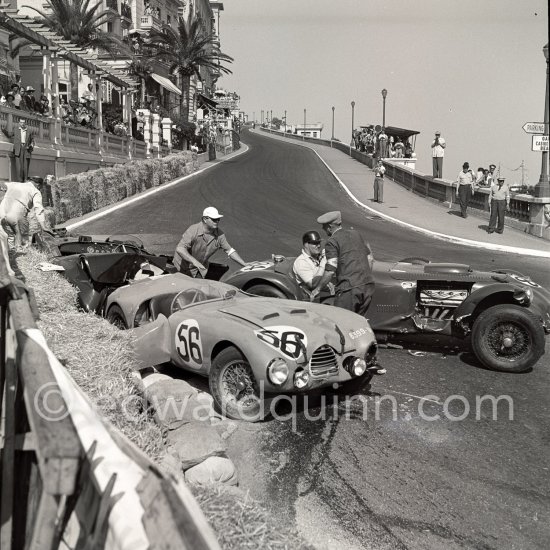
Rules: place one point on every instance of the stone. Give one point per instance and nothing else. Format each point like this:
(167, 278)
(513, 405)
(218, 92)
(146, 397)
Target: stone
(215, 469)
(195, 442)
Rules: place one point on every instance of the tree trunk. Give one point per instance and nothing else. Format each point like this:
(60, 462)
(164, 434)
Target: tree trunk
(73, 76)
(142, 98)
(185, 97)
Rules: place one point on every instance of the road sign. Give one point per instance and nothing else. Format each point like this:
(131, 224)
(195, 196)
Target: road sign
(540, 143)
(534, 127)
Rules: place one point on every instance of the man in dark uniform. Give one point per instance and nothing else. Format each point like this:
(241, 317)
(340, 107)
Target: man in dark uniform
(350, 259)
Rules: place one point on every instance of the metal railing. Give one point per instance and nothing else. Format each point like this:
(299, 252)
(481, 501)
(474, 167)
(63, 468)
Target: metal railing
(67, 478)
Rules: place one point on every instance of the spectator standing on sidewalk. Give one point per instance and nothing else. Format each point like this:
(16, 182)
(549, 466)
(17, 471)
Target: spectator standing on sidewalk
(499, 202)
(438, 152)
(464, 188)
(379, 170)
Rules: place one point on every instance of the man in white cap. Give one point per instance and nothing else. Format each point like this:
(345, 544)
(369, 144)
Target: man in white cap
(438, 152)
(199, 242)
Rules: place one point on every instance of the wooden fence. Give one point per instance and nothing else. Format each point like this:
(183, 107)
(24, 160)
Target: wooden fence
(68, 479)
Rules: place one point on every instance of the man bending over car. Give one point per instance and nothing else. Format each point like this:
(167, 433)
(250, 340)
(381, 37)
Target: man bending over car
(199, 242)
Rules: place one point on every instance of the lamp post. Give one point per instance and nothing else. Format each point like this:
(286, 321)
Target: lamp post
(352, 124)
(542, 188)
(384, 94)
(261, 116)
(285, 122)
(332, 126)
(304, 132)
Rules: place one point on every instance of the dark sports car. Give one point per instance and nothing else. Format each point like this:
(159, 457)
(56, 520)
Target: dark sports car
(505, 314)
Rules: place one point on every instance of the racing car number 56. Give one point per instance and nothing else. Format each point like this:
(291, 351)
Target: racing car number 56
(188, 342)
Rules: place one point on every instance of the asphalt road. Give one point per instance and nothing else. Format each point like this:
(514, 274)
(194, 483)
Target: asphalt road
(402, 469)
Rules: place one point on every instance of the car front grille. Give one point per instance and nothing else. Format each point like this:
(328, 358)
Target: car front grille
(323, 362)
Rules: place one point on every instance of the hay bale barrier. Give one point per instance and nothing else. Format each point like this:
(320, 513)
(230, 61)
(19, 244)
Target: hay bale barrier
(78, 194)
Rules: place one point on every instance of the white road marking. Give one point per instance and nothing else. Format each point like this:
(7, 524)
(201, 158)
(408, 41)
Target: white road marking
(415, 396)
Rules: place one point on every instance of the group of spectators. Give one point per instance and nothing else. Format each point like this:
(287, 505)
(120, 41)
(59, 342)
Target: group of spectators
(379, 144)
(24, 99)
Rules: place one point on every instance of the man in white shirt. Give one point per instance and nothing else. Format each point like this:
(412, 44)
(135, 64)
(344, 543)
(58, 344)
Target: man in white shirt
(438, 152)
(19, 200)
(309, 266)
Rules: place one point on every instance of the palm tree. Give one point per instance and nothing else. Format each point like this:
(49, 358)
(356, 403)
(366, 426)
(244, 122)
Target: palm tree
(187, 50)
(142, 67)
(79, 22)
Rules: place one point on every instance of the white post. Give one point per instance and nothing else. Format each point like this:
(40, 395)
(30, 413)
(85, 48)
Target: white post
(145, 114)
(155, 134)
(47, 74)
(99, 108)
(55, 101)
(167, 132)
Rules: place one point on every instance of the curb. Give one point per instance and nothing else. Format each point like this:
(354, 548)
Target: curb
(434, 234)
(109, 209)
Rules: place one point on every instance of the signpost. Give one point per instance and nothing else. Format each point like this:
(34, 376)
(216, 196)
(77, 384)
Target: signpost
(534, 127)
(540, 143)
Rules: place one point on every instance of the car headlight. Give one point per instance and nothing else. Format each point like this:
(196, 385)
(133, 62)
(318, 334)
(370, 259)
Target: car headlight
(277, 371)
(301, 378)
(355, 366)
(523, 296)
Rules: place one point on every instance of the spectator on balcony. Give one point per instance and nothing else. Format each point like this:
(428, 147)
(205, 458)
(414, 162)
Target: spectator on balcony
(42, 107)
(399, 147)
(88, 95)
(16, 91)
(10, 100)
(408, 149)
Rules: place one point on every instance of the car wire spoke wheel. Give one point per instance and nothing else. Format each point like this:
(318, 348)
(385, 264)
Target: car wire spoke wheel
(238, 384)
(235, 388)
(508, 340)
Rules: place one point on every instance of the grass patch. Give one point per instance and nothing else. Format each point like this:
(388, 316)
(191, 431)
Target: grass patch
(100, 358)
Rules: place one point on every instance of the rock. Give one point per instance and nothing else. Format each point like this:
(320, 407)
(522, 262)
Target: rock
(167, 387)
(195, 442)
(215, 469)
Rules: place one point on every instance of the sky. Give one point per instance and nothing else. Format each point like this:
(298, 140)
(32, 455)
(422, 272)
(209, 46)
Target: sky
(473, 69)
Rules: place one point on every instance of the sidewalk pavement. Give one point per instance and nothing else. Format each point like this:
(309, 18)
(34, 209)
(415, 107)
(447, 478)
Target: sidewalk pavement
(408, 209)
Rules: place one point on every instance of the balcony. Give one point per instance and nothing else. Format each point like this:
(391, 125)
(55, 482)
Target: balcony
(148, 22)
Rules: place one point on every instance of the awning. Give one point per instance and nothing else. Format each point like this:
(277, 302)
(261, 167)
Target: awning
(207, 101)
(166, 84)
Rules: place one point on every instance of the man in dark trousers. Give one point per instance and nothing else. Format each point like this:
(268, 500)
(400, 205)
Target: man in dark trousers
(499, 202)
(350, 261)
(23, 145)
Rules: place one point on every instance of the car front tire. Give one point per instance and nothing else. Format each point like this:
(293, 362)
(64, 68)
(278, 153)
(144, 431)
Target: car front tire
(508, 338)
(115, 316)
(234, 387)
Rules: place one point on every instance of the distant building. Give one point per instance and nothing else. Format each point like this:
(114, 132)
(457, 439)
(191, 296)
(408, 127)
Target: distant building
(309, 130)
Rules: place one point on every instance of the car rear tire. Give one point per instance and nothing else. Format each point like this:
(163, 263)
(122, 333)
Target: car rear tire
(234, 387)
(115, 316)
(266, 290)
(508, 338)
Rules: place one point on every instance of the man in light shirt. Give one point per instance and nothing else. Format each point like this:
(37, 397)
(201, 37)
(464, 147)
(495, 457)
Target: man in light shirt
(499, 202)
(19, 200)
(309, 266)
(464, 188)
(438, 152)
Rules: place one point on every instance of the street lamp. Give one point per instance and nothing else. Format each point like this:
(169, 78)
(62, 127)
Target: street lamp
(384, 94)
(542, 188)
(332, 125)
(304, 132)
(285, 122)
(352, 124)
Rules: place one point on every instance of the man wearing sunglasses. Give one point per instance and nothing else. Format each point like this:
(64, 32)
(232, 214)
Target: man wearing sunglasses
(309, 266)
(199, 242)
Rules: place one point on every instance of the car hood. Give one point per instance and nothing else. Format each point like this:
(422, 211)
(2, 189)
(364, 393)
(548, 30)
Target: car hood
(273, 311)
